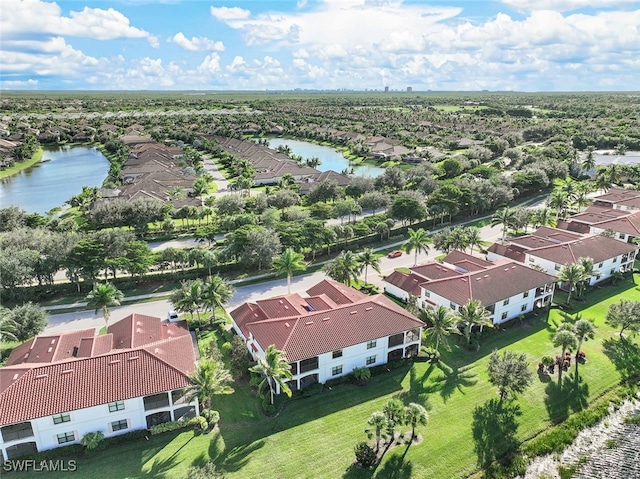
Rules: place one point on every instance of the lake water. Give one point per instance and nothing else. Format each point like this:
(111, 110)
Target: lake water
(330, 158)
(60, 175)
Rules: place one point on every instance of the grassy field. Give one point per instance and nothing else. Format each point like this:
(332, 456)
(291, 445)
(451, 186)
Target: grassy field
(23, 165)
(314, 437)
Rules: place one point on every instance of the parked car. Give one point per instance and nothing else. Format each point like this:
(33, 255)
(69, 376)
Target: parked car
(395, 254)
(172, 316)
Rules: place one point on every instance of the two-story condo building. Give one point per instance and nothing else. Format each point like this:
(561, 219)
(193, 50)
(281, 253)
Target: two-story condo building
(624, 225)
(505, 288)
(549, 249)
(329, 332)
(56, 388)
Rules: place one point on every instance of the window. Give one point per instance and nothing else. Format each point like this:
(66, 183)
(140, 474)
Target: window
(557, 267)
(336, 370)
(370, 360)
(504, 315)
(523, 307)
(337, 353)
(613, 270)
(505, 302)
(119, 425)
(600, 265)
(308, 364)
(156, 401)
(60, 418)
(427, 294)
(615, 260)
(525, 294)
(453, 305)
(116, 406)
(66, 437)
(371, 344)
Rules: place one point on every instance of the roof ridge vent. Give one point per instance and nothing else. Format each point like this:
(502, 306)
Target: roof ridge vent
(133, 358)
(368, 308)
(114, 361)
(67, 371)
(41, 376)
(353, 312)
(308, 323)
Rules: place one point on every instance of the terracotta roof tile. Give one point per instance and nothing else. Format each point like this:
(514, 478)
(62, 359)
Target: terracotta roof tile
(338, 292)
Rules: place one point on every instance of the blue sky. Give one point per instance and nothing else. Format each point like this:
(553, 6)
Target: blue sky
(524, 45)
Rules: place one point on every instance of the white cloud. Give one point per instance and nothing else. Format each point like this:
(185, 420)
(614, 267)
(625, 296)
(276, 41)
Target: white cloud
(210, 64)
(565, 5)
(21, 17)
(197, 43)
(230, 13)
(19, 84)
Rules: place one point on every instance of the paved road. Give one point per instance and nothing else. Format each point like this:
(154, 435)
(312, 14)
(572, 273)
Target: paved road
(266, 289)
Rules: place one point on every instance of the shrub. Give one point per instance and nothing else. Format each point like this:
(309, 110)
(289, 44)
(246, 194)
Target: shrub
(365, 455)
(92, 440)
(634, 420)
(226, 347)
(174, 425)
(361, 374)
(207, 471)
(212, 417)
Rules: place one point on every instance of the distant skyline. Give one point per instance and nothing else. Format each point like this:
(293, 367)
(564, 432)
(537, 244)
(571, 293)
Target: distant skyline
(501, 45)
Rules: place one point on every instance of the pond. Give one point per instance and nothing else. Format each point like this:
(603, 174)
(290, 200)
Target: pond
(609, 158)
(60, 175)
(330, 158)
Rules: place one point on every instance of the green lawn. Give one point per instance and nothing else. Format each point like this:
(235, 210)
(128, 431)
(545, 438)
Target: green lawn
(314, 437)
(22, 165)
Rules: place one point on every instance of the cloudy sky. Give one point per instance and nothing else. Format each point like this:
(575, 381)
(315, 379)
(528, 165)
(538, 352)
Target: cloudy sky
(525, 45)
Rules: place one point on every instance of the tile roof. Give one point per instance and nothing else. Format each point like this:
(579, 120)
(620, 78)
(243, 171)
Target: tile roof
(597, 247)
(338, 292)
(616, 195)
(434, 270)
(83, 370)
(325, 331)
(493, 284)
(406, 282)
(465, 261)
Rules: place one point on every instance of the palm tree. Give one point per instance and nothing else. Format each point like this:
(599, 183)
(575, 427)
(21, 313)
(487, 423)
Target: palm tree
(368, 258)
(378, 423)
(289, 262)
(584, 330)
(473, 237)
(588, 270)
(215, 293)
(505, 217)
(443, 324)
(564, 338)
(573, 274)
(542, 217)
(209, 378)
(345, 267)
(458, 238)
(473, 314)
(558, 200)
(103, 296)
(603, 180)
(415, 414)
(418, 242)
(188, 297)
(274, 370)
(394, 412)
(7, 327)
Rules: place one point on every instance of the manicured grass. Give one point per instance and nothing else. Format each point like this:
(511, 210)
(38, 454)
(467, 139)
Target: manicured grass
(23, 165)
(314, 437)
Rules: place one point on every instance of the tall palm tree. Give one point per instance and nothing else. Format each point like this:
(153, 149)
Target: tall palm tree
(289, 262)
(344, 268)
(564, 338)
(378, 423)
(558, 200)
(542, 217)
(209, 378)
(588, 270)
(504, 217)
(215, 293)
(188, 297)
(572, 274)
(418, 242)
(589, 162)
(474, 238)
(415, 415)
(473, 314)
(584, 330)
(7, 327)
(274, 370)
(368, 258)
(458, 238)
(101, 297)
(442, 323)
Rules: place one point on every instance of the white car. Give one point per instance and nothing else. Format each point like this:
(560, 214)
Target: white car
(172, 316)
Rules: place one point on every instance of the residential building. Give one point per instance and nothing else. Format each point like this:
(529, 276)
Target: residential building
(549, 249)
(619, 199)
(328, 332)
(505, 288)
(56, 388)
(623, 224)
